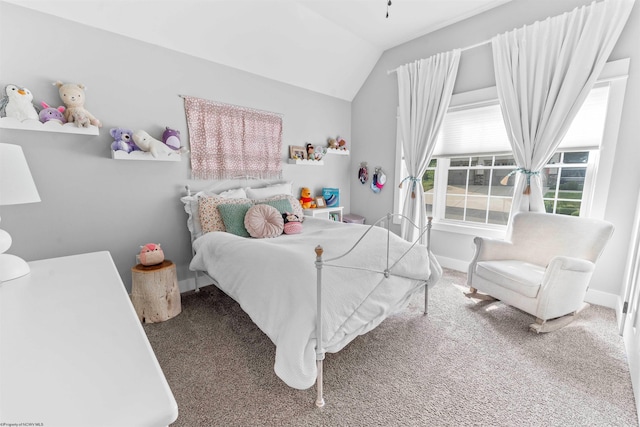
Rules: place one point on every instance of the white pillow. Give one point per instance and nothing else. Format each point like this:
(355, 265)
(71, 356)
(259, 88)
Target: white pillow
(295, 203)
(270, 190)
(234, 193)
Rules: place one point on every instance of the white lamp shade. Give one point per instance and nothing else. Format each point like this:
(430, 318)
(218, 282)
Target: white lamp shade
(16, 187)
(16, 183)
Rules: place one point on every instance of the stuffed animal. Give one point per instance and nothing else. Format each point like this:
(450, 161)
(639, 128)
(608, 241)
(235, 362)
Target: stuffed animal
(310, 152)
(151, 254)
(18, 103)
(122, 140)
(342, 144)
(332, 143)
(306, 201)
(171, 137)
(148, 143)
(50, 114)
(319, 152)
(72, 95)
(292, 223)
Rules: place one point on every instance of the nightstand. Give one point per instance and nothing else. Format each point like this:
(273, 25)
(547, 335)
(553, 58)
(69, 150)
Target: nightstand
(325, 213)
(73, 352)
(154, 292)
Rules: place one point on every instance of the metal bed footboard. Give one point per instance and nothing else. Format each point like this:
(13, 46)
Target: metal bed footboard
(320, 264)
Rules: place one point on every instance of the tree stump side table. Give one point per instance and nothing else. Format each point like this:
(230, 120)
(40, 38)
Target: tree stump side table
(154, 292)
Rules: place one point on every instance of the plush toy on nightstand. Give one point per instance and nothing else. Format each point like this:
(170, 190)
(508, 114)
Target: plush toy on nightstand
(306, 201)
(151, 254)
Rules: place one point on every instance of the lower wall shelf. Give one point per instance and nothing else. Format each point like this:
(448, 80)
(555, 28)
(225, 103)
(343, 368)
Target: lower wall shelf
(145, 155)
(306, 162)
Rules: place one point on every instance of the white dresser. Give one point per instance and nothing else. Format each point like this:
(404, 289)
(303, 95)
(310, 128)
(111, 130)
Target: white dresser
(73, 352)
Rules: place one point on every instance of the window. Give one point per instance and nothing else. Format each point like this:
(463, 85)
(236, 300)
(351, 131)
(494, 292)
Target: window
(462, 185)
(565, 177)
(474, 192)
(479, 189)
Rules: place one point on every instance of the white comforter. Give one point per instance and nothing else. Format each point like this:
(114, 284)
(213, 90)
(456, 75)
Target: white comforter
(274, 281)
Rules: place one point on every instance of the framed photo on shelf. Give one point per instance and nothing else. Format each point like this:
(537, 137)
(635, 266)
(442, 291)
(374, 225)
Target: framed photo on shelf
(297, 152)
(320, 203)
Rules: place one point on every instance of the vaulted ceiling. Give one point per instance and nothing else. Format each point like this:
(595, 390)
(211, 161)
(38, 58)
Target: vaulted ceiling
(327, 46)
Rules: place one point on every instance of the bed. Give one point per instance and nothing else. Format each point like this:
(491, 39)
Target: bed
(352, 275)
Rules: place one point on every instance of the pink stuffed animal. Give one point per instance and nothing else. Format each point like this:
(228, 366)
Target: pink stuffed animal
(151, 254)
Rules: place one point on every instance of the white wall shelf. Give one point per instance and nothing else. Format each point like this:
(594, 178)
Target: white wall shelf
(337, 151)
(50, 126)
(145, 155)
(306, 162)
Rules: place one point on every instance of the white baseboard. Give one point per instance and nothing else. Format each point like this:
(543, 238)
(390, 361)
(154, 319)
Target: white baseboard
(453, 264)
(189, 284)
(604, 299)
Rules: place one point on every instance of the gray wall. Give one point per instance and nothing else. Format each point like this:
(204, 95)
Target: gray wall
(374, 123)
(91, 202)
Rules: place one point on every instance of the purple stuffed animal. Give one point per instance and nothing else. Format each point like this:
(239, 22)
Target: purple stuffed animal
(50, 114)
(123, 140)
(171, 137)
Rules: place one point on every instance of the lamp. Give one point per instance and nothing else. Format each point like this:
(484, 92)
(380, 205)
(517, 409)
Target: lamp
(16, 187)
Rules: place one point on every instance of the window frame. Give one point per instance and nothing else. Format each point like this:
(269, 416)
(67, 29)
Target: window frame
(599, 172)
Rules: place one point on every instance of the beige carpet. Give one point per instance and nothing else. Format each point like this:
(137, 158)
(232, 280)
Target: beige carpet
(462, 365)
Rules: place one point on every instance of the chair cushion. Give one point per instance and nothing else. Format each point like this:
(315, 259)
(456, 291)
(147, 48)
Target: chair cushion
(518, 276)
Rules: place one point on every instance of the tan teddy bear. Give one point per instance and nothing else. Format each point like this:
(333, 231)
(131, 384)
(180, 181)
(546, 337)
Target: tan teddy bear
(72, 95)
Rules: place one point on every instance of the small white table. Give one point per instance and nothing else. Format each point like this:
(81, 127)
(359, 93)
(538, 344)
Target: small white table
(72, 351)
(324, 212)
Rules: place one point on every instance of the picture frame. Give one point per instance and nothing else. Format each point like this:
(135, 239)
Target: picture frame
(297, 152)
(320, 203)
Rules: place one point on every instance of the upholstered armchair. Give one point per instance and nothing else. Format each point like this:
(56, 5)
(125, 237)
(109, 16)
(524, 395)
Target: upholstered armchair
(544, 268)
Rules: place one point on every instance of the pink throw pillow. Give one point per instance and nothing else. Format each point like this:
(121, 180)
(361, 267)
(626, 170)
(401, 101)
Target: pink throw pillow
(263, 221)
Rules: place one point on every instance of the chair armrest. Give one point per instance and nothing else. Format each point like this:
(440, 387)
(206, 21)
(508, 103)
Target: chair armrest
(570, 263)
(564, 285)
(489, 249)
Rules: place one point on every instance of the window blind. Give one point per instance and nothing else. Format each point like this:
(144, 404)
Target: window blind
(479, 129)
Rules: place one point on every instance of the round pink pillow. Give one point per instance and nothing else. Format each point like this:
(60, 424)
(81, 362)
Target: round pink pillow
(263, 221)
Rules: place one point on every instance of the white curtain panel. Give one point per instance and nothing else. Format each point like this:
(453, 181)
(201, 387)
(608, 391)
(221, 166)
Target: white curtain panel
(544, 72)
(424, 90)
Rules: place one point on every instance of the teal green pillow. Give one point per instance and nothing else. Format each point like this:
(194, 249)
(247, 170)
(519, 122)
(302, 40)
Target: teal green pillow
(283, 205)
(233, 218)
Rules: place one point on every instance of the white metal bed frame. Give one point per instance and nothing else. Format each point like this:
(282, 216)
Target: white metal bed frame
(321, 263)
